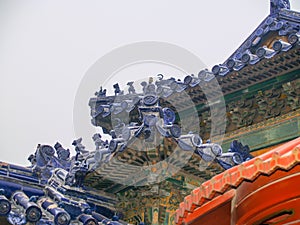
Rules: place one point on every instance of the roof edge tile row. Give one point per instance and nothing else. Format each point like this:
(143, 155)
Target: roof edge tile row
(283, 157)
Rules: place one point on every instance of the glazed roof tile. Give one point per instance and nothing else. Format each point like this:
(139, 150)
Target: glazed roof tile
(282, 24)
(274, 41)
(283, 157)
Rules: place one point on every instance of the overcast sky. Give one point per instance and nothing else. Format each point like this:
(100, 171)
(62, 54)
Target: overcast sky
(47, 46)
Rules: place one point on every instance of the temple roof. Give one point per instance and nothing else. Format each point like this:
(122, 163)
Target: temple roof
(150, 144)
(279, 31)
(270, 51)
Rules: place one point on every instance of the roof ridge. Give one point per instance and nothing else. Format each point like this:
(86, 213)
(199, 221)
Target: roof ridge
(281, 19)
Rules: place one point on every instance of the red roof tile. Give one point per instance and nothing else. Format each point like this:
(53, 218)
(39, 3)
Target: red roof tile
(284, 157)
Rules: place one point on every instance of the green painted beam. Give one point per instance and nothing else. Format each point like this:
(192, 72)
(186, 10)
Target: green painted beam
(268, 136)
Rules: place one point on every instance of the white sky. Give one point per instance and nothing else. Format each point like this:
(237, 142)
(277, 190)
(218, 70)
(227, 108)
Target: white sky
(47, 46)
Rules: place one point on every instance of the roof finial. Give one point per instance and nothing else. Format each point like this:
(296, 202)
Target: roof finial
(277, 5)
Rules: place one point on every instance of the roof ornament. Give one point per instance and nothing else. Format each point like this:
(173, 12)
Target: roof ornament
(160, 76)
(149, 88)
(101, 92)
(277, 5)
(131, 89)
(79, 148)
(63, 154)
(97, 138)
(117, 89)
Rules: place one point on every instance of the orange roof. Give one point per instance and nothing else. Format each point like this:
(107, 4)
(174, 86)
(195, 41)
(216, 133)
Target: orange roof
(284, 157)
